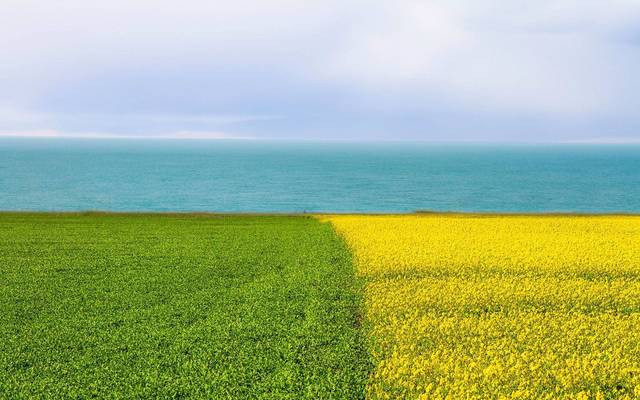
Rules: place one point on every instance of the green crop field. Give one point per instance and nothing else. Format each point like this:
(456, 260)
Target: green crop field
(177, 306)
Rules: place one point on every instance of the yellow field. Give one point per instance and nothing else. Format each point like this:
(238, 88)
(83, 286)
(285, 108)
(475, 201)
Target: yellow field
(475, 307)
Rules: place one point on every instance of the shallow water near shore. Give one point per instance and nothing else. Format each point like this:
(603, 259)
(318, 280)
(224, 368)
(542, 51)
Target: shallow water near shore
(279, 176)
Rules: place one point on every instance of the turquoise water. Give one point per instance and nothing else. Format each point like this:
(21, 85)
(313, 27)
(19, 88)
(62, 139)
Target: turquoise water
(138, 175)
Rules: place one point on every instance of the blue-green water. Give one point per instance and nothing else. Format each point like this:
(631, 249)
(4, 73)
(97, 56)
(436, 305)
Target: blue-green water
(138, 175)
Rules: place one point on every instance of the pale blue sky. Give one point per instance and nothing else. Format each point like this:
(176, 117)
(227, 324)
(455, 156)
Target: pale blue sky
(443, 70)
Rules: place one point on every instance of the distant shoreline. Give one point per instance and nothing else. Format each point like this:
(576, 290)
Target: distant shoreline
(312, 214)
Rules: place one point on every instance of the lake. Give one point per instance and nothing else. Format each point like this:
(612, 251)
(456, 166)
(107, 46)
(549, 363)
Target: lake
(279, 176)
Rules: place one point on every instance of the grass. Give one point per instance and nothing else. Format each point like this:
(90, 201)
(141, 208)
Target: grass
(177, 306)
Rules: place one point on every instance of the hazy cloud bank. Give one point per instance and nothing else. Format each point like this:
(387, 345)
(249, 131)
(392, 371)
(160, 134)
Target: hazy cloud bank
(459, 70)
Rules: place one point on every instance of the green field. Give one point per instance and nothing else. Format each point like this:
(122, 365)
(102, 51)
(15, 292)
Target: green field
(177, 306)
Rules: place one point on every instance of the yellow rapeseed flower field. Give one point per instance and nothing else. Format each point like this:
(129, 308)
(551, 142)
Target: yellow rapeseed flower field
(500, 307)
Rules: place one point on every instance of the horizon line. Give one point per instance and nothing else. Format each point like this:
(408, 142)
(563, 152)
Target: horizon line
(322, 140)
(220, 136)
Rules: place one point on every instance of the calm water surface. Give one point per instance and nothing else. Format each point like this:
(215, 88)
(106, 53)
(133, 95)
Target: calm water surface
(167, 175)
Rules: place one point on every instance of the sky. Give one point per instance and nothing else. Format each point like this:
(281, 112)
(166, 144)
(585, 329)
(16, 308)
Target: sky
(449, 70)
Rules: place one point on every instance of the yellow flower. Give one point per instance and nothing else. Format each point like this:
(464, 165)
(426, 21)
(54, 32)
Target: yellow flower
(475, 306)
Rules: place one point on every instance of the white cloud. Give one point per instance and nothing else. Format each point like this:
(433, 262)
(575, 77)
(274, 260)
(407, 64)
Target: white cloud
(48, 133)
(539, 57)
(571, 58)
(182, 135)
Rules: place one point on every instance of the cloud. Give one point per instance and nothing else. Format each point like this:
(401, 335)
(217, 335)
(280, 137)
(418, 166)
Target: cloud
(559, 57)
(49, 133)
(604, 140)
(273, 68)
(181, 135)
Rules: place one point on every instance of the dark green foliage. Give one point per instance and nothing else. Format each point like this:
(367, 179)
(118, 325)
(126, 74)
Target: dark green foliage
(177, 306)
